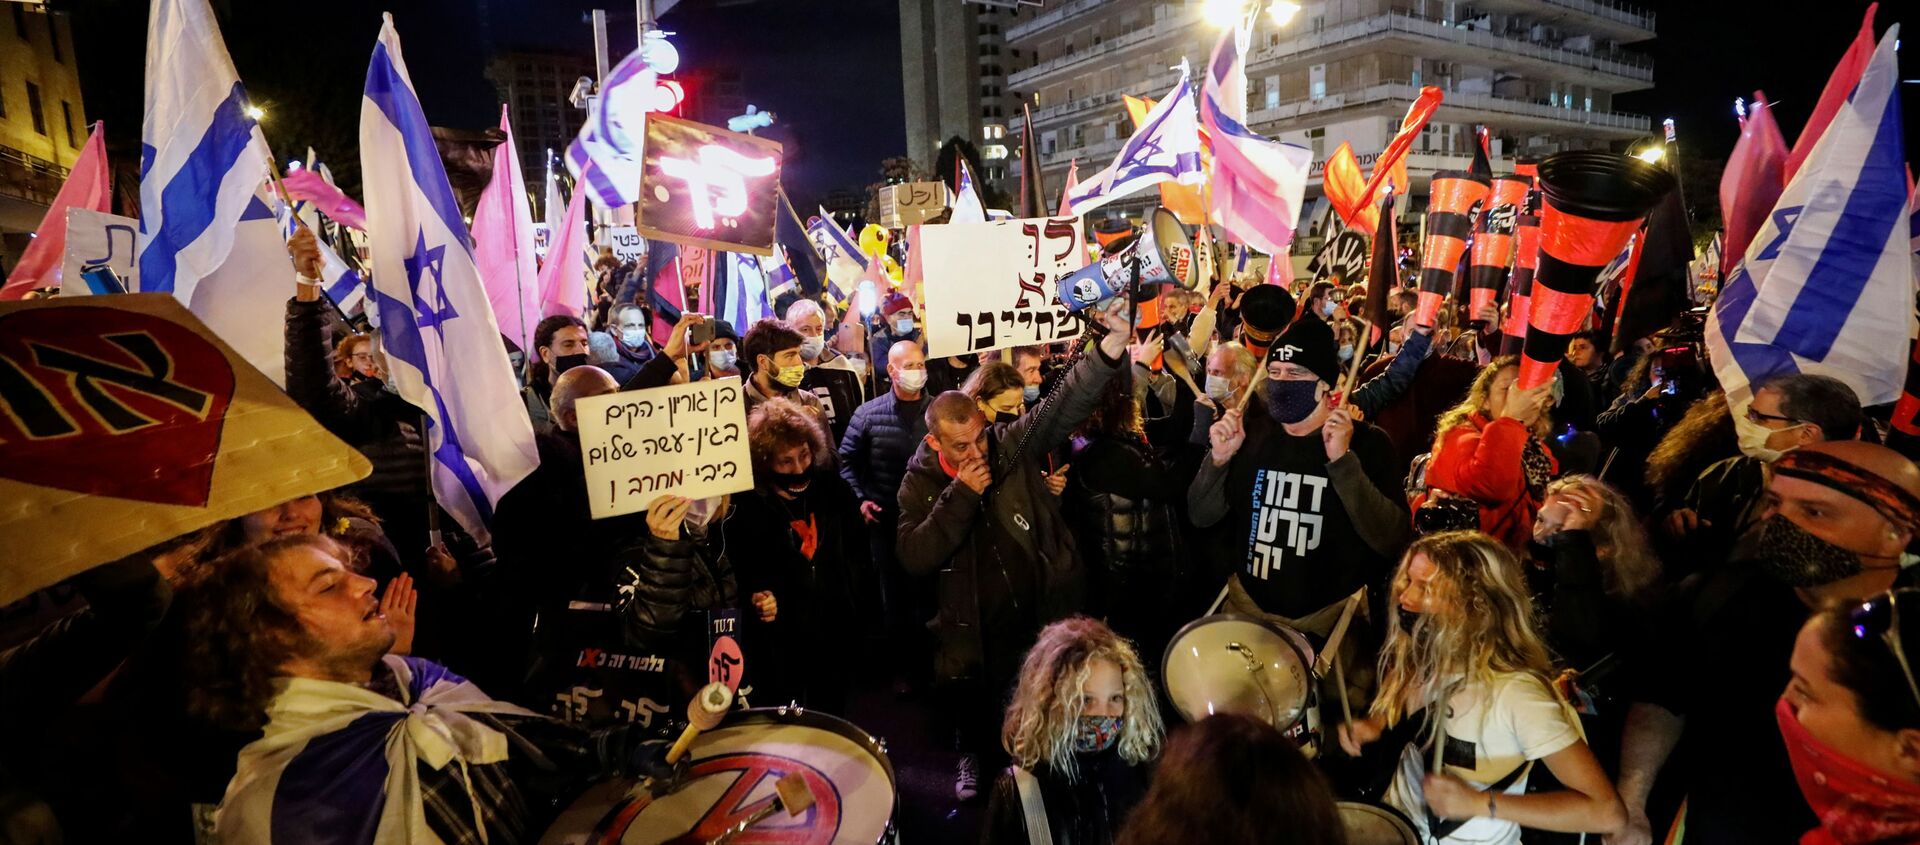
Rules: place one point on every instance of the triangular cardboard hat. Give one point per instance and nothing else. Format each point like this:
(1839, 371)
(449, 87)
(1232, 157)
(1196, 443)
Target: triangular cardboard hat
(124, 422)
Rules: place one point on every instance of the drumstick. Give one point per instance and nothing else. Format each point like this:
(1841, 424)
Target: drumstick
(1440, 733)
(1353, 369)
(1177, 364)
(1259, 375)
(789, 793)
(1340, 681)
(704, 713)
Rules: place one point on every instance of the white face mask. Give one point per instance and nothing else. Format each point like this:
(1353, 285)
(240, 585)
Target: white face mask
(904, 325)
(633, 338)
(811, 347)
(1753, 438)
(1218, 388)
(913, 380)
(1346, 352)
(701, 511)
(721, 359)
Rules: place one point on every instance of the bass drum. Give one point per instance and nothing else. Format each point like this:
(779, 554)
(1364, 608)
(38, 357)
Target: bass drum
(1376, 824)
(730, 774)
(1229, 663)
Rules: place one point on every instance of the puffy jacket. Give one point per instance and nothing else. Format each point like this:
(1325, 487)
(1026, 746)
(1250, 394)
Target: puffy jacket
(1121, 504)
(1086, 811)
(671, 581)
(383, 426)
(947, 528)
(1483, 461)
(880, 439)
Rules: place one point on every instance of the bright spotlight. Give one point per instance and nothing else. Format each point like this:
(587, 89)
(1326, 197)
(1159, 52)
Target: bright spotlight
(1223, 13)
(1651, 155)
(1282, 12)
(256, 113)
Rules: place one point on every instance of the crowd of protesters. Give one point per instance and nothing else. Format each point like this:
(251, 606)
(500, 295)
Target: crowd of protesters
(1614, 605)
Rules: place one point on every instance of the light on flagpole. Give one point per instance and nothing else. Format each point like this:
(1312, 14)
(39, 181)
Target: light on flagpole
(1651, 155)
(1282, 12)
(255, 113)
(1223, 13)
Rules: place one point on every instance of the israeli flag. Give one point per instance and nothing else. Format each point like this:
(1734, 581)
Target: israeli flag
(967, 205)
(1166, 146)
(845, 262)
(441, 342)
(201, 155)
(605, 157)
(743, 296)
(343, 284)
(1827, 284)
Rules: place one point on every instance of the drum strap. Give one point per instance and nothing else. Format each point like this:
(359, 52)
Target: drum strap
(1034, 806)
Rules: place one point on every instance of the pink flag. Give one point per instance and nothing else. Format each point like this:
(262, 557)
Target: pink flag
(1754, 177)
(563, 279)
(503, 245)
(1258, 184)
(88, 186)
(1073, 181)
(1280, 270)
(1840, 85)
(309, 185)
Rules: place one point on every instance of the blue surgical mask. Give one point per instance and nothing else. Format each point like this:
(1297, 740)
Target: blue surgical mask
(1030, 392)
(1218, 388)
(1346, 352)
(811, 347)
(1292, 401)
(634, 338)
(903, 326)
(721, 359)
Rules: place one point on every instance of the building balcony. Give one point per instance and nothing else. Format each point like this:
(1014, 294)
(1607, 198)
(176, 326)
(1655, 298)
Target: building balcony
(1167, 26)
(1098, 155)
(1051, 18)
(1619, 21)
(1154, 87)
(29, 178)
(1615, 71)
(1392, 98)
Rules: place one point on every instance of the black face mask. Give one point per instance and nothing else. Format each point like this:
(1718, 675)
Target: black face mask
(1795, 557)
(1292, 401)
(1407, 620)
(792, 482)
(563, 363)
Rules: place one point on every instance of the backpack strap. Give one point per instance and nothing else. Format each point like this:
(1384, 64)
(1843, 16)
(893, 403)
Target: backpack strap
(1033, 806)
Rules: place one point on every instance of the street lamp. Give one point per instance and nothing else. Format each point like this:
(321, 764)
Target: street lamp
(255, 113)
(1226, 13)
(1651, 154)
(1282, 12)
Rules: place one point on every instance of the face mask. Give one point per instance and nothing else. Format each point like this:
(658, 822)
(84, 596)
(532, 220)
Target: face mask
(1855, 803)
(912, 380)
(997, 417)
(1030, 392)
(903, 326)
(1346, 352)
(563, 363)
(722, 359)
(792, 482)
(1096, 733)
(811, 347)
(1326, 309)
(634, 339)
(1753, 438)
(1292, 401)
(701, 511)
(1219, 388)
(1794, 557)
(1408, 619)
(791, 376)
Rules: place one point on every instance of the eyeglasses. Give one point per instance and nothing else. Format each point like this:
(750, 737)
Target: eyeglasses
(1754, 416)
(361, 356)
(1880, 616)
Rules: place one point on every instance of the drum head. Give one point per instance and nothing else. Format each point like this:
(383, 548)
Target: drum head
(1376, 824)
(731, 773)
(1238, 664)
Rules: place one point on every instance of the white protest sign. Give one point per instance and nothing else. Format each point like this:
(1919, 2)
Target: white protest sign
(911, 203)
(681, 440)
(992, 285)
(627, 244)
(95, 240)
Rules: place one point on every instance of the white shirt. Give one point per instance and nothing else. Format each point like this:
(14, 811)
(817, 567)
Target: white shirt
(1490, 732)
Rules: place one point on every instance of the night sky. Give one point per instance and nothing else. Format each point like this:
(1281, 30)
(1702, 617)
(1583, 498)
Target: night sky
(830, 68)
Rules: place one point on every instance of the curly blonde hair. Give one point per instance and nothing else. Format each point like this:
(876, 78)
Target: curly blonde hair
(1630, 567)
(1485, 626)
(1046, 705)
(1477, 396)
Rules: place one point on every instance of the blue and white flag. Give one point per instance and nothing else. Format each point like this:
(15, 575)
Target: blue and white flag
(1827, 284)
(605, 158)
(841, 253)
(442, 345)
(201, 155)
(742, 291)
(1166, 146)
(780, 275)
(343, 282)
(967, 205)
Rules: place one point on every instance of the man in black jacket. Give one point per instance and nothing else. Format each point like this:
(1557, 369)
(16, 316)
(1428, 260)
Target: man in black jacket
(975, 511)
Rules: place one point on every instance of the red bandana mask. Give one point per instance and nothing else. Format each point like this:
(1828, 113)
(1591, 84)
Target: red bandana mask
(1856, 805)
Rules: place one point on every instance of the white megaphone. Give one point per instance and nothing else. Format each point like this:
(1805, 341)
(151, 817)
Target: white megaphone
(1162, 254)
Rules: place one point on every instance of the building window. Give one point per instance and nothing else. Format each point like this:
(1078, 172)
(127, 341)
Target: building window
(1317, 82)
(1272, 86)
(66, 116)
(3, 99)
(33, 106)
(20, 21)
(53, 37)
(1317, 138)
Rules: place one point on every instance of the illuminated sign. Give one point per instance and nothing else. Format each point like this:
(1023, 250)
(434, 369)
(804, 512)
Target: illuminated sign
(705, 186)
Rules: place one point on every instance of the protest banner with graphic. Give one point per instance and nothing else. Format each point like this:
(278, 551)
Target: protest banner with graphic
(124, 421)
(705, 186)
(627, 244)
(96, 239)
(993, 285)
(681, 440)
(1344, 257)
(911, 203)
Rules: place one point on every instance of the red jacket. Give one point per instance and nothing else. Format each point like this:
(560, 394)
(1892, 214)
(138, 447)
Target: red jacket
(1481, 460)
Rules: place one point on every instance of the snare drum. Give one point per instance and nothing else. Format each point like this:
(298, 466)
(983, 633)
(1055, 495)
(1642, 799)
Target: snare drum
(1376, 824)
(731, 771)
(1229, 663)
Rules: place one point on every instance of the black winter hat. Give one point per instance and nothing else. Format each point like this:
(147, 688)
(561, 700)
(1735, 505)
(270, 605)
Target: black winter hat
(1309, 343)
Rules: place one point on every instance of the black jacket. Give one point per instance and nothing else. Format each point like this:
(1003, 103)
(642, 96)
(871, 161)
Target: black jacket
(379, 423)
(1088, 811)
(1120, 499)
(880, 440)
(1013, 534)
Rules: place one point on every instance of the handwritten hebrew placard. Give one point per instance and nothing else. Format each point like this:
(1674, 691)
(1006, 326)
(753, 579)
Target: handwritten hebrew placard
(681, 440)
(991, 285)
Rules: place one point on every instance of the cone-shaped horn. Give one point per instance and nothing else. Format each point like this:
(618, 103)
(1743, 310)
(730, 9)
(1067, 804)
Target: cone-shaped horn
(1493, 241)
(1165, 256)
(1526, 256)
(1451, 203)
(1594, 201)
